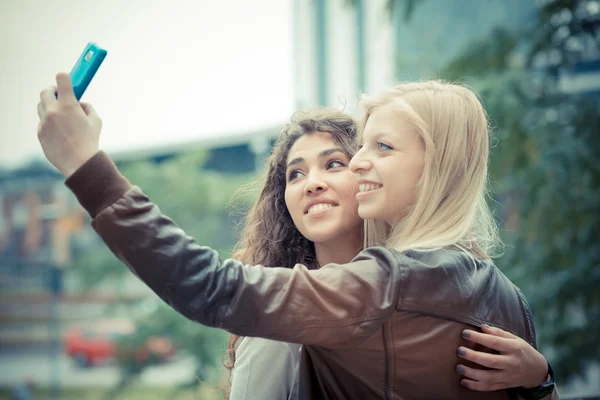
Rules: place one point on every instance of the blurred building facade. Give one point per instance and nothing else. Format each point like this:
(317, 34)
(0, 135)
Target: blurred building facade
(347, 47)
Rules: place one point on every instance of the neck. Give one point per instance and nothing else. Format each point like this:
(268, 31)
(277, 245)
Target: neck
(340, 250)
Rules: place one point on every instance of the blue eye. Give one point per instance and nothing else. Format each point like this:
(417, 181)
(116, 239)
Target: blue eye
(383, 147)
(335, 164)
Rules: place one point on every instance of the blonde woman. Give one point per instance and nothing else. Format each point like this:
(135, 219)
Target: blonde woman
(386, 324)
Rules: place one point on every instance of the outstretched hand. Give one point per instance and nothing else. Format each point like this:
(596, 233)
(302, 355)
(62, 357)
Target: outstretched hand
(68, 131)
(518, 363)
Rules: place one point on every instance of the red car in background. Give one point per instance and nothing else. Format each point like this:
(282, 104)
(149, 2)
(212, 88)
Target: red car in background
(95, 342)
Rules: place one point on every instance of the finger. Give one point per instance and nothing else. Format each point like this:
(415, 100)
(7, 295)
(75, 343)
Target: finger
(498, 332)
(495, 361)
(48, 97)
(40, 110)
(480, 375)
(482, 386)
(490, 341)
(91, 113)
(88, 109)
(65, 88)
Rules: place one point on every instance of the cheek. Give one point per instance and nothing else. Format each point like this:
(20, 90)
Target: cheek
(347, 185)
(417, 174)
(292, 202)
(405, 192)
(353, 208)
(288, 200)
(348, 196)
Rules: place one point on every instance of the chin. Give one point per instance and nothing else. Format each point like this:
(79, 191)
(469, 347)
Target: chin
(320, 237)
(327, 234)
(366, 212)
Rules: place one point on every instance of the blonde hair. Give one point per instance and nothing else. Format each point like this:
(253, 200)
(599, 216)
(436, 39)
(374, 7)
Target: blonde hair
(450, 210)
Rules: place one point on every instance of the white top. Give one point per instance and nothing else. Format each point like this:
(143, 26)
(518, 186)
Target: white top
(264, 369)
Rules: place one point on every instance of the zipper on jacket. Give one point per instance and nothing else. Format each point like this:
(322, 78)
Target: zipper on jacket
(387, 363)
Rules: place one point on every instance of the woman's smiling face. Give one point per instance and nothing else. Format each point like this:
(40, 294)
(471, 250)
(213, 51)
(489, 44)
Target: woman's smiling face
(320, 191)
(389, 166)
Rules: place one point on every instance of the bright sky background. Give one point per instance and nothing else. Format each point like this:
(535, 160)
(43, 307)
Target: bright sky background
(176, 70)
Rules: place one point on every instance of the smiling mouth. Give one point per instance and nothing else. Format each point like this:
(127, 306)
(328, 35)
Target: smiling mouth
(368, 187)
(319, 207)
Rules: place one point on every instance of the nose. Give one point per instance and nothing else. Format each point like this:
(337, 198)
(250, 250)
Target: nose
(315, 185)
(359, 163)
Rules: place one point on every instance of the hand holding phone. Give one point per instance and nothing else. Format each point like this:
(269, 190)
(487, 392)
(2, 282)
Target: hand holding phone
(85, 68)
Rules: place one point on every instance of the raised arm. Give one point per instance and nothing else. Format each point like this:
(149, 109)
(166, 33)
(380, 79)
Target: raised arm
(330, 306)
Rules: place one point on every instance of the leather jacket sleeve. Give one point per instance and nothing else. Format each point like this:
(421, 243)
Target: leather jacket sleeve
(333, 306)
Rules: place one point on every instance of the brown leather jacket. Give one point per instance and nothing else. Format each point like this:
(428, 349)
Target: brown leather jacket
(385, 326)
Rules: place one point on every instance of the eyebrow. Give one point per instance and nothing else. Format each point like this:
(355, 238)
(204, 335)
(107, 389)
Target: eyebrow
(322, 154)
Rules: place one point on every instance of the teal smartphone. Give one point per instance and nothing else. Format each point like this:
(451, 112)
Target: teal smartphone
(86, 67)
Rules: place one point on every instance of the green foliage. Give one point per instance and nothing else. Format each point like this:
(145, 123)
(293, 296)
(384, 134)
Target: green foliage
(196, 199)
(545, 173)
(553, 187)
(491, 55)
(566, 31)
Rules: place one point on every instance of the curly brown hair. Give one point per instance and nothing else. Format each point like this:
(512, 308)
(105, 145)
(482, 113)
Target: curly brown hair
(269, 236)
